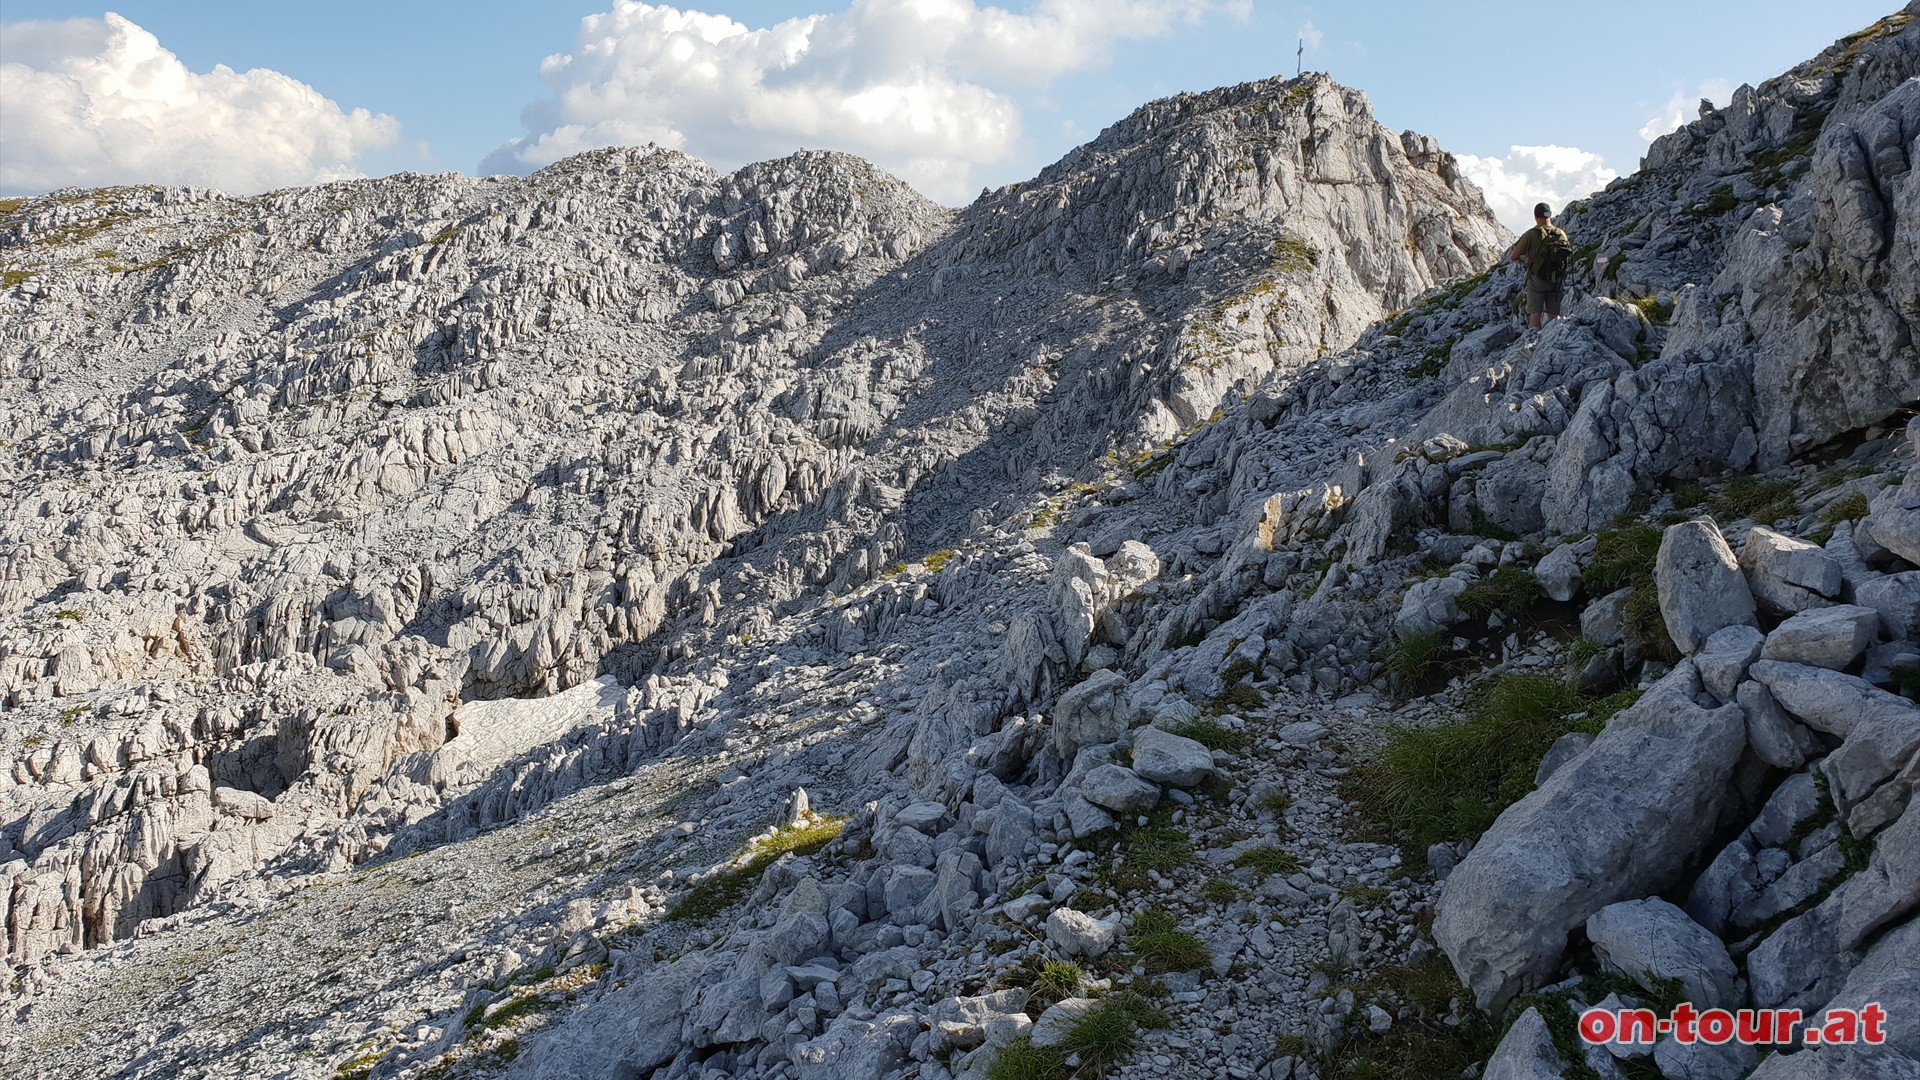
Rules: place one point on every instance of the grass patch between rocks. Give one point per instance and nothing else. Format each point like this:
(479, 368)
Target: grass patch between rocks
(1268, 860)
(1095, 1042)
(1442, 1034)
(1450, 781)
(1211, 733)
(727, 887)
(1047, 981)
(1162, 946)
(1416, 660)
(1158, 847)
(1765, 501)
(1510, 591)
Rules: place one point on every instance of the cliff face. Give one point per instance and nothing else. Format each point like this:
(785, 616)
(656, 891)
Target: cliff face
(297, 476)
(423, 594)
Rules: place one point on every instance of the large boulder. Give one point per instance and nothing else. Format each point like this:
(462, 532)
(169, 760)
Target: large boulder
(1430, 605)
(1830, 637)
(1119, 789)
(855, 1049)
(1895, 521)
(1626, 819)
(1701, 587)
(1652, 939)
(1091, 713)
(1787, 574)
(1897, 598)
(629, 1032)
(1166, 758)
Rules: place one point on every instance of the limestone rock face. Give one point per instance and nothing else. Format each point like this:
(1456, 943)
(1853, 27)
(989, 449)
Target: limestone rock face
(367, 460)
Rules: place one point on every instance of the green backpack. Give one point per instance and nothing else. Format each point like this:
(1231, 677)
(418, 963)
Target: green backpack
(1550, 257)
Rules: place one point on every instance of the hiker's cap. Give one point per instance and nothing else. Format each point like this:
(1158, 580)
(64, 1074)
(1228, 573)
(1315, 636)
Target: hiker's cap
(1542, 210)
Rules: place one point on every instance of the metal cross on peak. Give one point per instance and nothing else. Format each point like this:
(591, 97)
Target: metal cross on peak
(1299, 55)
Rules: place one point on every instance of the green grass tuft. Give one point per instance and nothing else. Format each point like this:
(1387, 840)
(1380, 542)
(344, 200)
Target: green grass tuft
(1511, 591)
(1846, 508)
(1211, 733)
(1656, 311)
(1415, 660)
(1219, 891)
(1646, 627)
(1162, 946)
(1449, 782)
(728, 887)
(1159, 846)
(1621, 556)
(1765, 501)
(1267, 859)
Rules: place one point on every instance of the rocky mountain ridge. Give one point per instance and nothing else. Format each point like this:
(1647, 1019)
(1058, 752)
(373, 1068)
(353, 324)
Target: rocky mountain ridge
(525, 544)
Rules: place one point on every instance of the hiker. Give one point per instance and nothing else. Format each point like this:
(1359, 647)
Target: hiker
(1545, 249)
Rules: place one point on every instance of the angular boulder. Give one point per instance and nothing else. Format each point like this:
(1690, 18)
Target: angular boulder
(1825, 700)
(1559, 571)
(1430, 606)
(1889, 977)
(1786, 574)
(855, 1049)
(1897, 598)
(1724, 660)
(1624, 820)
(1119, 789)
(1526, 1053)
(1166, 758)
(1701, 587)
(1828, 637)
(1895, 521)
(1652, 938)
(1812, 951)
(1091, 713)
(1078, 933)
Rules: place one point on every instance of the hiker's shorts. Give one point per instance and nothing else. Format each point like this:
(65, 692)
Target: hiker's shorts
(1543, 301)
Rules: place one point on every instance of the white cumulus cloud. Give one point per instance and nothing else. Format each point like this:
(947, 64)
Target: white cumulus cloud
(1311, 35)
(1555, 175)
(98, 101)
(920, 87)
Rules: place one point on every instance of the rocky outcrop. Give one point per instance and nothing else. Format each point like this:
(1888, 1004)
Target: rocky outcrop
(1622, 821)
(387, 450)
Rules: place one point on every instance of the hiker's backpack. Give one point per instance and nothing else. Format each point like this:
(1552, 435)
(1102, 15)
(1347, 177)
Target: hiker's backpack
(1550, 257)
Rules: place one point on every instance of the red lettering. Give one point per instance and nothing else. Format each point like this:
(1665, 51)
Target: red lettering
(1784, 1023)
(1755, 1026)
(1842, 1026)
(1597, 1025)
(1638, 1027)
(1716, 1026)
(1875, 1019)
(1683, 1021)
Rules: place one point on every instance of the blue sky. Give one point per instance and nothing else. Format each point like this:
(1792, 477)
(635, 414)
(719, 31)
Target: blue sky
(950, 94)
